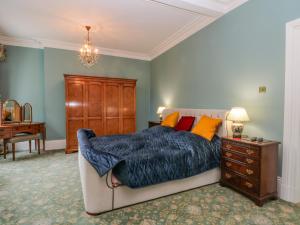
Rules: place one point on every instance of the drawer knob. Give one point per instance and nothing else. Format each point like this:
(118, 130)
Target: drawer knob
(248, 185)
(248, 171)
(228, 154)
(228, 146)
(249, 161)
(249, 152)
(228, 164)
(227, 175)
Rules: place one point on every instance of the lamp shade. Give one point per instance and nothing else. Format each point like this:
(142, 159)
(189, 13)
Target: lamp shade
(238, 114)
(160, 109)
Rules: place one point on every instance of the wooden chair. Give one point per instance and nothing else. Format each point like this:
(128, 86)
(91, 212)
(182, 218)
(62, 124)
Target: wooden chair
(1, 147)
(22, 138)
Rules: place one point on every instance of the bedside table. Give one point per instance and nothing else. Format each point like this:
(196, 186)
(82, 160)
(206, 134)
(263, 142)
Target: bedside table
(250, 168)
(153, 123)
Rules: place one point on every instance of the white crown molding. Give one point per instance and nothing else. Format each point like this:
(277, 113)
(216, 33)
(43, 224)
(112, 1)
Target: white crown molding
(103, 51)
(177, 37)
(45, 43)
(234, 5)
(29, 43)
(182, 34)
(202, 7)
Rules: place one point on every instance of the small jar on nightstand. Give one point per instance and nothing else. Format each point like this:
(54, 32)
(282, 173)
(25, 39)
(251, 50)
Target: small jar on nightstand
(250, 168)
(153, 123)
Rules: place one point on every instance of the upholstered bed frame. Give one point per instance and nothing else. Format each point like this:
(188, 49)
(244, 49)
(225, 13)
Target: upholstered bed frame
(99, 196)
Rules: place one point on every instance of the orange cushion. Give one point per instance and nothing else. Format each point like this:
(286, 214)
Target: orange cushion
(171, 120)
(207, 127)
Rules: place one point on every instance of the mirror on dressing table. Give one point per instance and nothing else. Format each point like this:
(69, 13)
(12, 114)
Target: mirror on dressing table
(16, 125)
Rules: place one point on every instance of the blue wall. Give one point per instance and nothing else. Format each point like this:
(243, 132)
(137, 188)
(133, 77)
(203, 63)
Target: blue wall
(223, 65)
(21, 78)
(36, 76)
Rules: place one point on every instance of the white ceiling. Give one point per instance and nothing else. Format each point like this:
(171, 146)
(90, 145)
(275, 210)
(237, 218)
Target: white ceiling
(140, 29)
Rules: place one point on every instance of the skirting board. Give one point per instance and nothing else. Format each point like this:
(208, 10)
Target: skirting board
(288, 193)
(279, 188)
(50, 145)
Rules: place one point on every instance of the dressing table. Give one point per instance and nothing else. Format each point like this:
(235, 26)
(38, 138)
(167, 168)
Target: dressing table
(16, 120)
(10, 130)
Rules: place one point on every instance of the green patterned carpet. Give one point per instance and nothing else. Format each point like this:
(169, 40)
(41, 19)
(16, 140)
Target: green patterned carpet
(45, 189)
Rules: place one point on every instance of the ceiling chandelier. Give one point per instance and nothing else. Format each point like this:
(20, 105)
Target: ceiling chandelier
(88, 54)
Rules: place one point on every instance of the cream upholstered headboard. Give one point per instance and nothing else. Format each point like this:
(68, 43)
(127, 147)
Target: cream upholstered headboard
(214, 113)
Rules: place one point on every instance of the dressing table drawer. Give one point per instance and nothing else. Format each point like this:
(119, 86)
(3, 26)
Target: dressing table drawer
(4, 134)
(25, 129)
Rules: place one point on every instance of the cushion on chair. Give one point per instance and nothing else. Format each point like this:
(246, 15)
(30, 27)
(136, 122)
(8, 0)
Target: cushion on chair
(22, 138)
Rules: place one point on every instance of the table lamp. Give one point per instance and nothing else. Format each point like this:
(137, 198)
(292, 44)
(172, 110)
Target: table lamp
(159, 111)
(238, 115)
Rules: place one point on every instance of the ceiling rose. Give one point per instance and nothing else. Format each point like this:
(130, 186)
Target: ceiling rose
(88, 54)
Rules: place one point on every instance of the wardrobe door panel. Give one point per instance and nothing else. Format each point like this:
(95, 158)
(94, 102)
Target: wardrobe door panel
(94, 99)
(97, 126)
(128, 100)
(112, 100)
(94, 107)
(75, 99)
(75, 94)
(128, 108)
(128, 125)
(112, 126)
(73, 126)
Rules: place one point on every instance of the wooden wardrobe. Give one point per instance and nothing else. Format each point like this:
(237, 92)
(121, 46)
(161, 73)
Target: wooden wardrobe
(105, 105)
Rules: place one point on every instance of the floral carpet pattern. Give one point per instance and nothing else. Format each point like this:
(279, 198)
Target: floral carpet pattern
(45, 189)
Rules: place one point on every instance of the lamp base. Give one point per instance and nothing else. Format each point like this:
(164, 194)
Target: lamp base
(237, 130)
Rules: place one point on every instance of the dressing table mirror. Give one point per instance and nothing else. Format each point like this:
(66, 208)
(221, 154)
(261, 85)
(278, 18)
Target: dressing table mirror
(27, 113)
(11, 112)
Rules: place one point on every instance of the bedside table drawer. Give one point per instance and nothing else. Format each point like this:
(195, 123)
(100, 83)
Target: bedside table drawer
(242, 169)
(251, 151)
(231, 177)
(240, 158)
(249, 186)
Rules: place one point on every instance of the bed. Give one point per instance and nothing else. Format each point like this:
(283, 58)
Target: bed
(100, 195)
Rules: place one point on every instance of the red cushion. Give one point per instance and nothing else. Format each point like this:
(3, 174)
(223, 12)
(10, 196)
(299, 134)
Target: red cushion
(185, 123)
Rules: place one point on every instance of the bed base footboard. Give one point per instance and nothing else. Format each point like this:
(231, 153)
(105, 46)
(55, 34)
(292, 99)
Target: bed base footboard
(99, 196)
